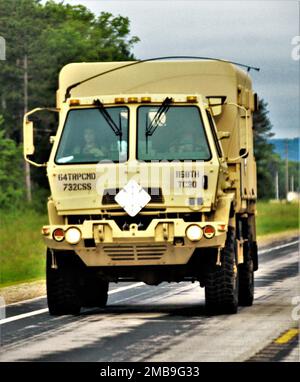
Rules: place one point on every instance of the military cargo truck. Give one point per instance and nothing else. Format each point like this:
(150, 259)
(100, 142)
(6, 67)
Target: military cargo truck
(153, 178)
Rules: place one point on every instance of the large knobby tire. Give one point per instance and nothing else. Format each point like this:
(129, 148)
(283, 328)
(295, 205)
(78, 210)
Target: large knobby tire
(246, 277)
(63, 284)
(221, 286)
(94, 291)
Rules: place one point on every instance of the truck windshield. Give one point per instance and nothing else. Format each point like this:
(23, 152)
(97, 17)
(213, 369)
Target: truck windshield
(88, 138)
(179, 134)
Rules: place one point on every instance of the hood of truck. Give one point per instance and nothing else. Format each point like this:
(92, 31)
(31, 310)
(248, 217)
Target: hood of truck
(173, 187)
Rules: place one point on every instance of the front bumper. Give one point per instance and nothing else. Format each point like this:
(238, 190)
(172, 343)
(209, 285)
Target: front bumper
(164, 242)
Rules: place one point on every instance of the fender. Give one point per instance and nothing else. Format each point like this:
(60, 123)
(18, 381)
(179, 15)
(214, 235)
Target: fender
(225, 209)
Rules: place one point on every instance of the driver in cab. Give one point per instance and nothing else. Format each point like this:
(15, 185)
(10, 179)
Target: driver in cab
(90, 145)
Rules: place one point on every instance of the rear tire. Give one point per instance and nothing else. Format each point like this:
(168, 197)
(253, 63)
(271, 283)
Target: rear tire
(62, 283)
(221, 287)
(94, 291)
(246, 277)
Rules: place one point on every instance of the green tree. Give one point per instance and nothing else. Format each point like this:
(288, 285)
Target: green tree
(11, 174)
(20, 23)
(51, 35)
(267, 160)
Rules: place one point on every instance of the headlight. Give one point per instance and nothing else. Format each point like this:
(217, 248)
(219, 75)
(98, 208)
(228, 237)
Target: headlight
(194, 232)
(73, 235)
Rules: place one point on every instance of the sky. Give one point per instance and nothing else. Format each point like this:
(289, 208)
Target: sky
(258, 33)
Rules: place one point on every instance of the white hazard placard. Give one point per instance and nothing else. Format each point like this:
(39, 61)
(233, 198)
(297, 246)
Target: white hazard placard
(132, 198)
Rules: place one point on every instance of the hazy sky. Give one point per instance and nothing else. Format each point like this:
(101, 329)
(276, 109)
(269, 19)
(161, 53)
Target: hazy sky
(257, 33)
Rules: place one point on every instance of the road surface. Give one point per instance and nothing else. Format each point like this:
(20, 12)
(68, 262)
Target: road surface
(166, 323)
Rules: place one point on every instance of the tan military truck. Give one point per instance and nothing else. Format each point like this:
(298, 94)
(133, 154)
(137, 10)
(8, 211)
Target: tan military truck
(152, 178)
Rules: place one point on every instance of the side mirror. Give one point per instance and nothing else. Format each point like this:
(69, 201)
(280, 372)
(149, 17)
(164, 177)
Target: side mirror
(215, 103)
(28, 137)
(28, 147)
(223, 135)
(242, 142)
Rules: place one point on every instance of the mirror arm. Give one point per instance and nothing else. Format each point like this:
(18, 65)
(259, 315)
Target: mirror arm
(34, 163)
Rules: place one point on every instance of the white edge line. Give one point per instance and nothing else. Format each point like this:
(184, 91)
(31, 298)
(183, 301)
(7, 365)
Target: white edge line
(24, 315)
(44, 296)
(135, 285)
(278, 247)
(41, 311)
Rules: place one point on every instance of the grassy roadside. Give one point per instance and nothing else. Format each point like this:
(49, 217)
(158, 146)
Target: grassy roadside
(276, 217)
(21, 246)
(22, 249)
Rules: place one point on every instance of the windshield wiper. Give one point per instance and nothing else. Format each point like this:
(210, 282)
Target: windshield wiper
(115, 128)
(164, 107)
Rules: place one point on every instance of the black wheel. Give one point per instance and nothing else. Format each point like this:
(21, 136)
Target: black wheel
(62, 283)
(246, 277)
(221, 286)
(94, 291)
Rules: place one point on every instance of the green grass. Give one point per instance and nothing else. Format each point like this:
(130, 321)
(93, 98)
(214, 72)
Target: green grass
(276, 217)
(22, 251)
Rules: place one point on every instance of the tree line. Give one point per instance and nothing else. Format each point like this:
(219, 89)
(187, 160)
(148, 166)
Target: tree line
(40, 39)
(270, 164)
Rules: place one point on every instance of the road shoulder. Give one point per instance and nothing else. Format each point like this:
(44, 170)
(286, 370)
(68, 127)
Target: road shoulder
(276, 238)
(23, 291)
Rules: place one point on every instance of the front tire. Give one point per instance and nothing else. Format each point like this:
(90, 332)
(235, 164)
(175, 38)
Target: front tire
(94, 291)
(62, 283)
(221, 287)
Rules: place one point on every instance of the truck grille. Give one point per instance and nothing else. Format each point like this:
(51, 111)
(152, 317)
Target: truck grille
(156, 195)
(134, 252)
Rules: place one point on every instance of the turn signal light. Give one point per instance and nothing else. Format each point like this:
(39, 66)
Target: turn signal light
(46, 231)
(58, 234)
(209, 231)
(222, 227)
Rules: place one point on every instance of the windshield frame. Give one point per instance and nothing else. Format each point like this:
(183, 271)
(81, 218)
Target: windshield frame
(171, 160)
(214, 130)
(107, 161)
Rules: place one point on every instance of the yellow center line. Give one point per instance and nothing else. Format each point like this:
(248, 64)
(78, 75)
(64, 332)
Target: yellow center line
(287, 336)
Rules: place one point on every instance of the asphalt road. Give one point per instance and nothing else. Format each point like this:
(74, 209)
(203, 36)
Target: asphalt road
(166, 323)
